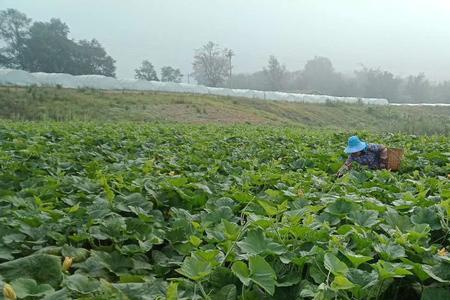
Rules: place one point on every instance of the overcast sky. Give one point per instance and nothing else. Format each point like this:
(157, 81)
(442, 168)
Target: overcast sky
(401, 36)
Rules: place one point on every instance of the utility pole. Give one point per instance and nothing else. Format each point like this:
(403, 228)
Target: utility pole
(229, 53)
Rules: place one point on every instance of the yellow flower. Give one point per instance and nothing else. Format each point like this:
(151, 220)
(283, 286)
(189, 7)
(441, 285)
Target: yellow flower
(442, 252)
(67, 263)
(8, 292)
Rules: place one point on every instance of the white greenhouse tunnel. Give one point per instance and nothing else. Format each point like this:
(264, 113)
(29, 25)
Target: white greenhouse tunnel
(23, 78)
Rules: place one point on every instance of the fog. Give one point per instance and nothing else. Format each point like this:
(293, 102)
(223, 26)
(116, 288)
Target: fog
(403, 36)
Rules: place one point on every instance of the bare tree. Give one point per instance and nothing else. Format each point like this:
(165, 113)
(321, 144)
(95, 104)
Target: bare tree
(210, 65)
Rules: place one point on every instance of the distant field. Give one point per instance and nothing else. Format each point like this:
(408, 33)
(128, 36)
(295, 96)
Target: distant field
(35, 103)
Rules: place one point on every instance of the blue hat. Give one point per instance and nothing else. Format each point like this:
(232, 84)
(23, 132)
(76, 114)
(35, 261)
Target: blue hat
(355, 145)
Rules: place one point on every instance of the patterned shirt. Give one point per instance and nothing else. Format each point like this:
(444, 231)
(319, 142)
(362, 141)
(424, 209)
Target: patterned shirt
(369, 157)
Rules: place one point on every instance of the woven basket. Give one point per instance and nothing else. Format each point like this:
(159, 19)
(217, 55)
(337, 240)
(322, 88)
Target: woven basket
(395, 156)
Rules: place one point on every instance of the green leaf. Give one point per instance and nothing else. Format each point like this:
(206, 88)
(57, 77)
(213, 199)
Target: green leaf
(81, 284)
(127, 278)
(417, 269)
(439, 272)
(213, 257)
(340, 207)
(221, 276)
(395, 220)
(262, 274)
(341, 283)
(115, 262)
(388, 270)
(78, 254)
(5, 254)
(435, 294)
(195, 241)
(228, 292)
(256, 243)
(62, 294)
(231, 230)
(364, 218)
(241, 271)
(172, 291)
(363, 278)
(155, 289)
(195, 268)
(334, 265)
(25, 287)
(270, 209)
(41, 267)
(426, 215)
(390, 251)
(356, 259)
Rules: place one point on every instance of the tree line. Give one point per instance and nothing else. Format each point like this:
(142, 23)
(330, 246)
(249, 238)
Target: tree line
(46, 47)
(212, 67)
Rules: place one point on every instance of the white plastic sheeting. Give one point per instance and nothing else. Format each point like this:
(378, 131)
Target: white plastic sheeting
(22, 78)
(420, 104)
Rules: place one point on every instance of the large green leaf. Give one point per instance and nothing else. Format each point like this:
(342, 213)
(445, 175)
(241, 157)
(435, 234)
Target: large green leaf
(388, 270)
(78, 254)
(365, 218)
(45, 269)
(436, 294)
(340, 207)
(363, 278)
(241, 271)
(114, 261)
(82, 284)
(334, 265)
(390, 251)
(439, 272)
(228, 292)
(341, 283)
(62, 294)
(195, 268)
(262, 274)
(426, 215)
(155, 289)
(256, 243)
(356, 259)
(25, 287)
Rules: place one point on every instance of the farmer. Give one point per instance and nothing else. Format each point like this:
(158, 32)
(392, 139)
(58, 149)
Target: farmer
(372, 155)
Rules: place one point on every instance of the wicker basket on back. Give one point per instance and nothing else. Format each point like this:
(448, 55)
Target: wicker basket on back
(395, 156)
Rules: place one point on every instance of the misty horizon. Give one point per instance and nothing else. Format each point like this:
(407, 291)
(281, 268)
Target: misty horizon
(405, 37)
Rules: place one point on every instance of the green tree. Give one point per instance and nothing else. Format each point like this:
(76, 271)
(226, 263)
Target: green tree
(146, 72)
(417, 88)
(275, 74)
(91, 58)
(319, 75)
(375, 83)
(49, 49)
(170, 74)
(211, 66)
(14, 32)
(46, 47)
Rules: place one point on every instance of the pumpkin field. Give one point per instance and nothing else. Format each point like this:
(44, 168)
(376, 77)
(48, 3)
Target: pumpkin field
(145, 211)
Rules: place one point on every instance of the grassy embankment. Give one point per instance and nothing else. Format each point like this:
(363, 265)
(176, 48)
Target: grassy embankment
(34, 103)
